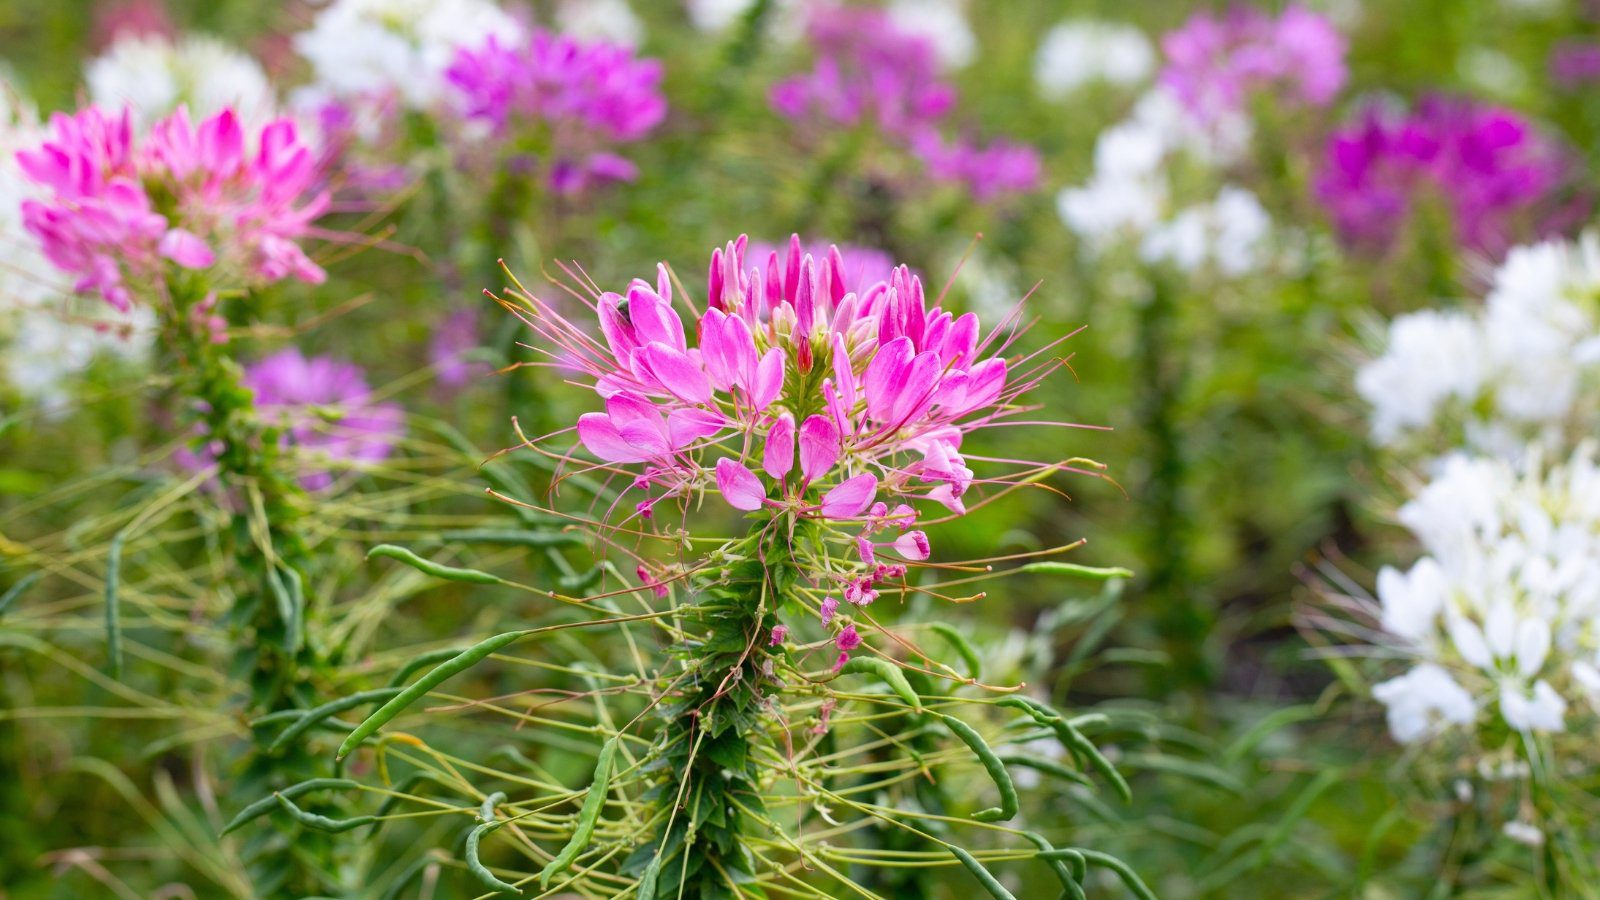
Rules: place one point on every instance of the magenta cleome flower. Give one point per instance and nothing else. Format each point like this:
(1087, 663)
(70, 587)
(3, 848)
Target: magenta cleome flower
(797, 399)
(325, 410)
(197, 196)
(1486, 166)
(869, 72)
(587, 97)
(1216, 63)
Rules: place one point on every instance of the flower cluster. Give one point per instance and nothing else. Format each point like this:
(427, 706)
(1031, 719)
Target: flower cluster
(796, 398)
(1502, 377)
(586, 96)
(117, 206)
(1502, 614)
(871, 71)
(154, 75)
(1215, 64)
(1486, 167)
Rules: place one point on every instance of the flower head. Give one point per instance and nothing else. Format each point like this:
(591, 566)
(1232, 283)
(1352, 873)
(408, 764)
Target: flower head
(813, 407)
(588, 96)
(198, 196)
(1485, 166)
(325, 410)
(1216, 63)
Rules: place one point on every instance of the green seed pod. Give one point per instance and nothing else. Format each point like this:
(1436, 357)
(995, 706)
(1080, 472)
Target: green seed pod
(888, 673)
(588, 816)
(266, 804)
(991, 764)
(428, 567)
(985, 878)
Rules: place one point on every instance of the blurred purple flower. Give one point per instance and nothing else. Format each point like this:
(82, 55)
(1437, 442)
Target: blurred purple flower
(455, 337)
(1215, 63)
(866, 66)
(1574, 64)
(862, 266)
(587, 95)
(1487, 166)
(1001, 167)
(325, 408)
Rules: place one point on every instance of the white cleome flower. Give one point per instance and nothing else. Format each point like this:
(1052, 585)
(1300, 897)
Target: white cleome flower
(1423, 702)
(1506, 375)
(154, 75)
(1506, 601)
(1227, 235)
(600, 20)
(1081, 52)
(403, 47)
(942, 23)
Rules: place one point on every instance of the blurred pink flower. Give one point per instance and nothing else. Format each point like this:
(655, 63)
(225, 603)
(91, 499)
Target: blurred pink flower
(1215, 63)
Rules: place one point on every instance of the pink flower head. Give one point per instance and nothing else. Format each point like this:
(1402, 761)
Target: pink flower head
(869, 71)
(827, 414)
(780, 633)
(1216, 63)
(586, 97)
(1486, 167)
(324, 411)
(225, 197)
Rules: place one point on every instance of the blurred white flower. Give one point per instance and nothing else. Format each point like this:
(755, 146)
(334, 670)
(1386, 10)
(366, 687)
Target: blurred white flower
(1509, 374)
(1079, 52)
(358, 47)
(1228, 235)
(1523, 833)
(155, 74)
(942, 23)
(600, 20)
(1423, 701)
(1505, 605)
(48, 349)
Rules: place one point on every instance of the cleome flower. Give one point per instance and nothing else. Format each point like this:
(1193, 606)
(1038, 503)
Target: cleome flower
(832, 415)
(198, 195)
(588, 96)
(1215, 64)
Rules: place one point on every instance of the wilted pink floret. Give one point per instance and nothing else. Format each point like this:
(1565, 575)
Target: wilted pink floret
(1216, 63)
(1485, 166)
(585, 96)
(325, 409)
(226, 197)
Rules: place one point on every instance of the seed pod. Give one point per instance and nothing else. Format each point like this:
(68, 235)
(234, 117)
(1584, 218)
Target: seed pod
(985, 878)
(1088, 573)
(587, 816)
(263, 806)
(888, 673)
(428, 567)
(962, 647)
(320, 823)
(991, 764)
(312, 716)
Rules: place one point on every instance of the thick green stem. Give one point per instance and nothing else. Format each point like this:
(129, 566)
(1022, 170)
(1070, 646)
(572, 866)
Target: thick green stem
(711, 780)
(268, 617)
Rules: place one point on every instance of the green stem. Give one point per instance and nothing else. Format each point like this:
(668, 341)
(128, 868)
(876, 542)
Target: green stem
(273, 562)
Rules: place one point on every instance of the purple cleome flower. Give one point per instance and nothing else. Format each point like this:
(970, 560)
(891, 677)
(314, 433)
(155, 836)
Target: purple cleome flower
(1215, 63)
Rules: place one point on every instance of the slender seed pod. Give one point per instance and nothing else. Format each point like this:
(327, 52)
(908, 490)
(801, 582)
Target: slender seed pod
(984, 876)
(887, 672)
(441, 673)
(422, 661)
(313, 716)
(477, 868)
(587, 816)
(1071, 878)
(991, 764)
(428, 567)
(113, 603)
(266, 804)
(1088, 573)
(320, 823)
(23, 585)
(1107, 861)
(962, 646)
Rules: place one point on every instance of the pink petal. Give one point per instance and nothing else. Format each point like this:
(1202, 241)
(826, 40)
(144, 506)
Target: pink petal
(769, 380)
(916, 388)
(653, 318)
(739, 486)
(819, 447)
(186, 249)
(881, 383)
(912, 545)
(778, 458)
(677, 373)
(984, 383)
(850, 497)
(599, 436)
(685, 426)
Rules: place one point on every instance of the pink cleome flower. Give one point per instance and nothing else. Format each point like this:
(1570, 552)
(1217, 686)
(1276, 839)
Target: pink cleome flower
(1487, 167)
(195, 196)
(1216, 63)
(795, 399)
(586, 96)
(869, 71)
